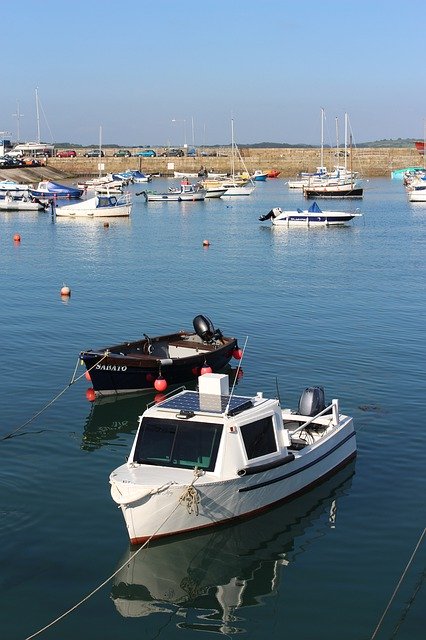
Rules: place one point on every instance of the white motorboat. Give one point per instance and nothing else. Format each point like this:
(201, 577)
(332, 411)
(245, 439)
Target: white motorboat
(203, 458)
(417, 195)
(185, 193)
(24, 203)
(14, 188)
(314, 216)
(213, 571)
(185, 174)
(101, 206)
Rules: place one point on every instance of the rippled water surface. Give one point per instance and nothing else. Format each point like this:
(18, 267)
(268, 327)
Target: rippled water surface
(341, 307)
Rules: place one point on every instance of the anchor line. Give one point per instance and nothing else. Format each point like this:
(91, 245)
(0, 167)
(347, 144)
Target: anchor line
(197, 474)
(376, 630)
(49, 404)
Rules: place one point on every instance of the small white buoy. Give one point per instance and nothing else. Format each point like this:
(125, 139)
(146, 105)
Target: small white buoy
(65, 291)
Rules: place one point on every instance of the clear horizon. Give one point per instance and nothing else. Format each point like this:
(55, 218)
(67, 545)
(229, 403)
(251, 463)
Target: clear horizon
(169, 74)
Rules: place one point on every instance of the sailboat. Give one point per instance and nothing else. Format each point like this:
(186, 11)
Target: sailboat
(343, 185)
(321, 173)
(235, 185)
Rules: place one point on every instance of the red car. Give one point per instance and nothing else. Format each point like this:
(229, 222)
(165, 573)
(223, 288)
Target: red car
(66, 153)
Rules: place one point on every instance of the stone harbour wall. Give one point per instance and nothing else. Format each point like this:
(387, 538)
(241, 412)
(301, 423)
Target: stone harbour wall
(368, 162)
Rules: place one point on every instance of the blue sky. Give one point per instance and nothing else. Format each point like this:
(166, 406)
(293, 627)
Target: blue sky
(162, 72)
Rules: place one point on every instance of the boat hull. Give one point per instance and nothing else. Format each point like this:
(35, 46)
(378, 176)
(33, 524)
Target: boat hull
(115, 373)
(153, 512)
(238, 191)
(18, 205)
(289, 219)
(331, 192)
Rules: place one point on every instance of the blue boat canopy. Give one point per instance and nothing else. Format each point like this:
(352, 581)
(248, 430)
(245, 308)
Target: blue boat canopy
(314, 208)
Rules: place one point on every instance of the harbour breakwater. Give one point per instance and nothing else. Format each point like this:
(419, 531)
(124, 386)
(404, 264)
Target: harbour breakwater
(368, 162)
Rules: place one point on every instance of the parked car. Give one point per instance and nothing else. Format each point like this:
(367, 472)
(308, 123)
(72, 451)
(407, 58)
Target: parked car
(66, 153)
(94, 153)
(174, 153)
(146, 153)
(122, 153)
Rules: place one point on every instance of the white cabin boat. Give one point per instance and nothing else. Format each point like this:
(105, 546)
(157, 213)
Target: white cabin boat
(185, 193)
(98, 207)
(314, 216)
(24, 203)
(203, 458)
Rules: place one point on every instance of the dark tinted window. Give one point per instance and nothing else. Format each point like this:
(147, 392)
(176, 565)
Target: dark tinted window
(177, 443)
(258, 438)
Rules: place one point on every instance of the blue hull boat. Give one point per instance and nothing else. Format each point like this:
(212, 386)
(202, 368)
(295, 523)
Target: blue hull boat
(47, 189)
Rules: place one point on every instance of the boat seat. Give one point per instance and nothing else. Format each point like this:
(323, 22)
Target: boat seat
(198, 346)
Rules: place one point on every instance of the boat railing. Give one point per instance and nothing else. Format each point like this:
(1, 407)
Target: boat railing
(334, 406)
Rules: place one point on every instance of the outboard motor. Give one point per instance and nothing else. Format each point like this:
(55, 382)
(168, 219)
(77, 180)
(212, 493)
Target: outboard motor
(312, 401)
(204, 328)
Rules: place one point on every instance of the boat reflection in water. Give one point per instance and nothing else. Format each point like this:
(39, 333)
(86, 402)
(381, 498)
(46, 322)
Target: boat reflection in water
(206, 579)
(112, 415)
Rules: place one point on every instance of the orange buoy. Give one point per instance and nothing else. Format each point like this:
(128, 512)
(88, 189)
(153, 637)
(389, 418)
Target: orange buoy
(160, 384)
(90, 394)
(87, 376)
(205, 369)
(16, 238)
(65, 291)
(206, 243)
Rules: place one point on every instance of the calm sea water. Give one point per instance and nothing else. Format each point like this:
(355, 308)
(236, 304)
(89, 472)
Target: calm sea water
(341, 307)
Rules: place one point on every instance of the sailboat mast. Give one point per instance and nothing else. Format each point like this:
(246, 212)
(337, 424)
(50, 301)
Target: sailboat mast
(346, 142)
(232, 149)
(38, 116)
(100, 151)
(322, 138)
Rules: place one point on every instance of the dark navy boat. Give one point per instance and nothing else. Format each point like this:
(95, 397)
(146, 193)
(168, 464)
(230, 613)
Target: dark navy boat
(156, 362)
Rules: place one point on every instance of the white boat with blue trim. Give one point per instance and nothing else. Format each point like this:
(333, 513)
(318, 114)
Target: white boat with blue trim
(101, 206)
(314, 216)
(207, 457)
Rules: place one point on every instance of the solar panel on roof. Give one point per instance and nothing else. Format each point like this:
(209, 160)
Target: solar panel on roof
(193, 401)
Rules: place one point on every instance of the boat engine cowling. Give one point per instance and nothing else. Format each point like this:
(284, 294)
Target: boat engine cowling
(204, 328)
(311, 401)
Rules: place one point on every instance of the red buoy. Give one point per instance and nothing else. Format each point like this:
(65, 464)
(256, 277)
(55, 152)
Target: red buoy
(149, 377)
(65, 291)
(16, 238)
(205, 369)
(160, 384)
(90, 394)
(237, 354)
(87, 376)
(196, 371)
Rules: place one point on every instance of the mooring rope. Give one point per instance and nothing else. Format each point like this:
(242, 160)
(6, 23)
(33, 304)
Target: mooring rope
(376, 630)
(49, 404)
(197, 474)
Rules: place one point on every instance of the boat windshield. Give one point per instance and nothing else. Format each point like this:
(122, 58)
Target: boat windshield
(175, 443)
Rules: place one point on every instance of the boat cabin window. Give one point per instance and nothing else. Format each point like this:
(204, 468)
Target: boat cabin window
(259, 438)
(175, 443)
